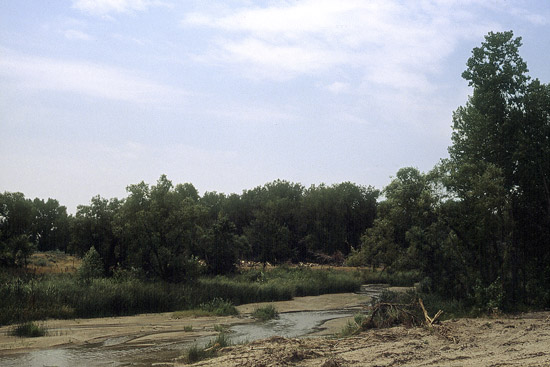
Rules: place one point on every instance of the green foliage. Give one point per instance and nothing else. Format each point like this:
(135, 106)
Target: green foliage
(220, 246)
(65, 296)
(278, 284)
(195, 354)
(397, 278)
(220, 328)
(28, 330)
(490, 298)
(62, 296)
(265, 313)
(477, 227)
(219, 307)
(352, 327)
(91, 267)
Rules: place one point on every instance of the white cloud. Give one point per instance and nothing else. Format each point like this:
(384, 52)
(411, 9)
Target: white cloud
(338, 87)
(96, 80)
(408, 40)
(73, 34)
(104, 7)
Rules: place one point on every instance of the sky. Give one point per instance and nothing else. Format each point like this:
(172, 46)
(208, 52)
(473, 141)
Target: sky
(96, 95)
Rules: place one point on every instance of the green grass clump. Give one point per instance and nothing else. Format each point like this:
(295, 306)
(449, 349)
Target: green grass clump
(352, 327)
(220, 328)
(265, 313)
(29, 330)
(188, 328)
(195, 353)
(219, 307)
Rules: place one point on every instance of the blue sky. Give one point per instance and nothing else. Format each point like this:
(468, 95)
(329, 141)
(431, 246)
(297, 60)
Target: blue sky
(99, 94)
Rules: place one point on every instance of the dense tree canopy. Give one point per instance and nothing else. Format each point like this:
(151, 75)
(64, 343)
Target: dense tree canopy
(171, 232)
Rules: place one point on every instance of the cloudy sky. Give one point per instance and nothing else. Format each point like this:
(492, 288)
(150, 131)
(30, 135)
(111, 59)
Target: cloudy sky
(229, 95)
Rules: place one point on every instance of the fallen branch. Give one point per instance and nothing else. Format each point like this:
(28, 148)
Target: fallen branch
(429, 320)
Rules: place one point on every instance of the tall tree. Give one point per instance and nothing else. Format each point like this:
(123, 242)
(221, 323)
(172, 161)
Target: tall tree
(160, 228)
(501, 136)
(94, 226)
(50, 225)
(16, 217)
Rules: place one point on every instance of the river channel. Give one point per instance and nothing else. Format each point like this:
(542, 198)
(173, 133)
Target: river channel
(125, 351)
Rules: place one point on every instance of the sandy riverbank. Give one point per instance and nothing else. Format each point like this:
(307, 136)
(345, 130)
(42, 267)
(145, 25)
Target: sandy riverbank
(522, 340)
(504, 341)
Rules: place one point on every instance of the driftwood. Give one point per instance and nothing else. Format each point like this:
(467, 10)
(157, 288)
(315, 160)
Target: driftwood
(429, 320)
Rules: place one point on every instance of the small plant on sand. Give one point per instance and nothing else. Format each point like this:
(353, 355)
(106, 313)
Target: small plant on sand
(188, 328)
(219, 307)
(220, 328)
(353, 327)
(196, 353)
(29, 330)
(265, 313)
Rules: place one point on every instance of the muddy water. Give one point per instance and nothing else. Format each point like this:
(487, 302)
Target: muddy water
(121, 351)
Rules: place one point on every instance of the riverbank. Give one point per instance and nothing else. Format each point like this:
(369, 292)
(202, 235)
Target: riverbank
(522, 340)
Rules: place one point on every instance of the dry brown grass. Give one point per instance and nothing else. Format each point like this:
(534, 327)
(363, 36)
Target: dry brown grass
(53, 263)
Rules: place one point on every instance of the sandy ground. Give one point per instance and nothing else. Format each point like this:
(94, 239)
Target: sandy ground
(504, 341)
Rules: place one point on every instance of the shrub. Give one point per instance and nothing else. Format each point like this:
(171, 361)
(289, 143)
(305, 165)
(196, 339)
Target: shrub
(353, 327)
(28, 329)
(219, 307)
(265, 313)
(92, 266)
(195, 354)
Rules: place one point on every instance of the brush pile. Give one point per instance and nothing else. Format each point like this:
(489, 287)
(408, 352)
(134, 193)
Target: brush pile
(388, 314)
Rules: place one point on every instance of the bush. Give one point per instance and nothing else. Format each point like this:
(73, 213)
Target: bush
(265, 313)
(195, 354)
(219, 307)
(92, 266)
(353, 327)
(28, 329)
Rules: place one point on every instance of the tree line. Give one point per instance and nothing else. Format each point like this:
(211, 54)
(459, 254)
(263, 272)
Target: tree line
(476, 227)
(168, 230)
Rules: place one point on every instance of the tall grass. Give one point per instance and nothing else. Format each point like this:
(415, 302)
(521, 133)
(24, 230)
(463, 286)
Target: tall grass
(398, 279)
(27, 298)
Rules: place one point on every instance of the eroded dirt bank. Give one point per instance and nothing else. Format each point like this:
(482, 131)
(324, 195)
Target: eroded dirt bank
(505, 341)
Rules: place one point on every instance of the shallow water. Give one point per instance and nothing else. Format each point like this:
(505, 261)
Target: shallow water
(116, 352)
